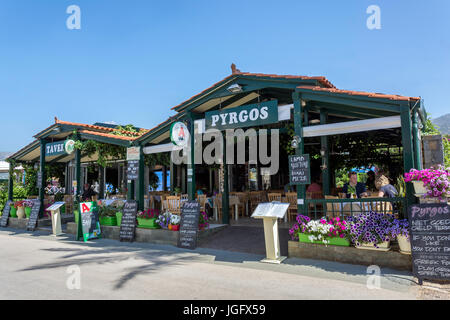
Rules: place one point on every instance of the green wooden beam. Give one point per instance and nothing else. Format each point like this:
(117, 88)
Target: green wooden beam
(350, 101)
(191, 163)
(298, 126)
(326, 178)
(43, 143)
(408, 155)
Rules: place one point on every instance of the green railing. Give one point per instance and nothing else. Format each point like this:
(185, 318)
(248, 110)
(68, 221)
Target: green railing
(318, 208)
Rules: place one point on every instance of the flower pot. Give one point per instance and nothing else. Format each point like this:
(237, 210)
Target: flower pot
(419, 187)
(404, 244)
(76, 214)
(119, 218)
(148, 223)
(174, 227)
(21, 213)
(383, 246)
(108, 221)
(334, 241)
(28, 212)
(13, 212)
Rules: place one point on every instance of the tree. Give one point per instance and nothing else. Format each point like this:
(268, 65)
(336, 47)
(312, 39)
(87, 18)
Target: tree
(431, 129)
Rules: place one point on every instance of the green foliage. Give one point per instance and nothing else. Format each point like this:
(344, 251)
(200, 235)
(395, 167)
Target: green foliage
(18, 192)
(430, 129)
(285, 139)
(155, 159)
(30, 180)
(342, 177)
(104, 151)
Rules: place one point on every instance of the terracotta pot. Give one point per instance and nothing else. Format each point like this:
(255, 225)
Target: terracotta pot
(21, 213)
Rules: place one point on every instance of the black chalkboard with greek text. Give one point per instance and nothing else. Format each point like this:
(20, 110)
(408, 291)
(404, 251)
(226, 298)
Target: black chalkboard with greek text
(190, 215)
(34, 215)
(5, 215)
(430, 240)
(299, 169)
(128, 224)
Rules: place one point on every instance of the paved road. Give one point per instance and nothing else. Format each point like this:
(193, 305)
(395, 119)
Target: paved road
(34, 266)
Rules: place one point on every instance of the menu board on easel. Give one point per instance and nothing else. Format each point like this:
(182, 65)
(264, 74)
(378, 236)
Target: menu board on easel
(34, 215)
(128, 223)
(430, 240)
(190, 214)
(5, 215)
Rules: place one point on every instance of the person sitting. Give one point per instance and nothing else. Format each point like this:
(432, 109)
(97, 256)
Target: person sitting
(354, 187)
(88, 193)
(315, 187)
(385, 188)
(370, 182)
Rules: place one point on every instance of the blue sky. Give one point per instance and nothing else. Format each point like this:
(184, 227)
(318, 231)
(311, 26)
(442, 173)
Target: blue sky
(134, 60)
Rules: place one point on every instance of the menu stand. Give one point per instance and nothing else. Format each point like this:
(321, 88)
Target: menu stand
(270, 213)
(56, 218)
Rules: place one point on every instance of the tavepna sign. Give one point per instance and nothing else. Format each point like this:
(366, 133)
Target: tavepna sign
(60, 148)
(245, 116)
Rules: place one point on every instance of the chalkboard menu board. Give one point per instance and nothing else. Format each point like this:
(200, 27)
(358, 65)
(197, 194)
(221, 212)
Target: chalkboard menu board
(90, 224)
(5, 215)
(39, 180)
(299, 169)
(190, 214)
(34, 216)
(133, 170)
(430, 240)
(128, 224)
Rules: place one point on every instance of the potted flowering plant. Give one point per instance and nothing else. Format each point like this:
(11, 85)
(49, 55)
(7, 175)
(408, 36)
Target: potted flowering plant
(13, 211)
(203, 222)
(28, 204)
(333, 232)
(119, 211)
(107, 216)
(148, 219)
(371, 230)
(19, 206)
(435, 182)
(400, 231)
(174, 222)
(163, 220)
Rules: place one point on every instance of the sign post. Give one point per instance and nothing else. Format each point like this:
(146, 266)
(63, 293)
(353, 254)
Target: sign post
(5, 215)
(56, 217)
(88, 222)
(430, 240)
(34, 215)
(190, 214)
(128, 224)
(270, 212)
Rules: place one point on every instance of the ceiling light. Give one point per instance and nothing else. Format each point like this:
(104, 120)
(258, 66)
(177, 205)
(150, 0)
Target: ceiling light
(235, 88)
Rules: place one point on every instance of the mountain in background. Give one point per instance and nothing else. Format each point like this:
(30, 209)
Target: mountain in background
(4, 155)
(443, 122)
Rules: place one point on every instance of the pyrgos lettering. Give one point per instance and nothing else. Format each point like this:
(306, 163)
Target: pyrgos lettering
(242, 116)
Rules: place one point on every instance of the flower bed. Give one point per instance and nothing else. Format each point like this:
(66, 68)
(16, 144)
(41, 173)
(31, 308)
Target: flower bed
(369, 230)
(148, 219)
(332, 232)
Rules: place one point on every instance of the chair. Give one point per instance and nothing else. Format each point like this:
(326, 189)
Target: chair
(291, 197)
(256, 197)
(274, 197)
(333, 209)
(173, 204)
(242, 199)
(202, 201)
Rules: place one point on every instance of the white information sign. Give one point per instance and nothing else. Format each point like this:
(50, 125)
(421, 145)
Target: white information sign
(56, 206)
(270, 210)
(133, 153)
